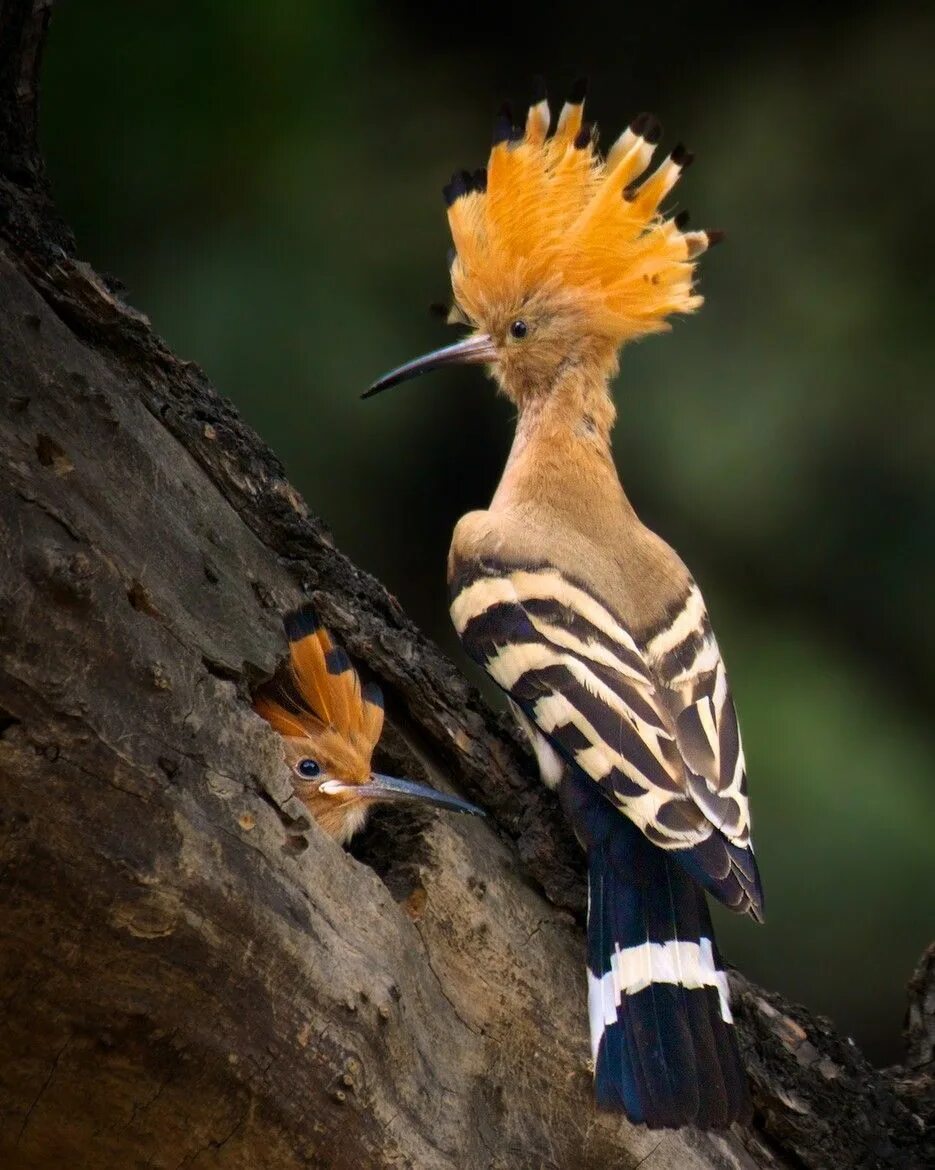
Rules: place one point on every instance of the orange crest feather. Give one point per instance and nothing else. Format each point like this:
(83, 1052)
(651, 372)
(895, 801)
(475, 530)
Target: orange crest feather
(323, 691)
(550, 212)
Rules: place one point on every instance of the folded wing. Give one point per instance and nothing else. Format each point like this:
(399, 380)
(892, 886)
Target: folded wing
(652, 724)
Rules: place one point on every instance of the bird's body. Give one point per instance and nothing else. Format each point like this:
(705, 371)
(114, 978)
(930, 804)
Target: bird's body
(590, 622)
(561, 594)
(330, 726)
(561, 545)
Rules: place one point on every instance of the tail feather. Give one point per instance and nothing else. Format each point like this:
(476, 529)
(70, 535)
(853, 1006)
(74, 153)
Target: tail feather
(662, 1034)
(702, 1008)
(614, 1049)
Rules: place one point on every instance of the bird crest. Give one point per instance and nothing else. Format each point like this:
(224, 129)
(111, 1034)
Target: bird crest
(550, 213)
(321, 697)
(330, 726)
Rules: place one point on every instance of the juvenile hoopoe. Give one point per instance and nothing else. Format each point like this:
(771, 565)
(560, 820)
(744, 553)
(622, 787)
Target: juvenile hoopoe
(330, 726)
(588, 621)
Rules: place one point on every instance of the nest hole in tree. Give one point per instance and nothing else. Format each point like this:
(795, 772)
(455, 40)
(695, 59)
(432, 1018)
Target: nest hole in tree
(393, 844)
(6, 722)
(394, 841)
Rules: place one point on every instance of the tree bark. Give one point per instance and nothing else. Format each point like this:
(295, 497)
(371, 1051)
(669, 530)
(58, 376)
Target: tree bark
(190, 973)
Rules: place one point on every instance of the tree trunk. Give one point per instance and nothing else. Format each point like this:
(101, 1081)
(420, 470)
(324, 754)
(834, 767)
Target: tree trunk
(190, 973)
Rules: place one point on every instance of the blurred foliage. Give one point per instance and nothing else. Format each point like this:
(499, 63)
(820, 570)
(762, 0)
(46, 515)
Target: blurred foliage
(265, 177)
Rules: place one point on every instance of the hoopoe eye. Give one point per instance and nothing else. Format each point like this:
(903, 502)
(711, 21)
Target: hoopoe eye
(308, 769)
(519, 329)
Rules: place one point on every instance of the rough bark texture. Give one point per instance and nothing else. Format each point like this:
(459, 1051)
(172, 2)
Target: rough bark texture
(190, 974)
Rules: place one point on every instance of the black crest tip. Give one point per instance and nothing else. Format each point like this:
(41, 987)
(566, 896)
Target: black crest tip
(371, 693)
(578, 92)
(648, 127)
(715, 236)
(681, 220)
(337, 661)
(502, 130)
(455, 188)
(584, 136)
(301, 623)
(479, 179)
(638, 124)
(437, 309)
(682, 157)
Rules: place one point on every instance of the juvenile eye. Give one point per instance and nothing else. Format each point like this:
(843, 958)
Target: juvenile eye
(519, 329)
(307, 769)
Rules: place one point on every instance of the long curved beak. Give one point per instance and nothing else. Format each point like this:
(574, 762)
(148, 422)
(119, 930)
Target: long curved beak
(473, 350)
(389, 788)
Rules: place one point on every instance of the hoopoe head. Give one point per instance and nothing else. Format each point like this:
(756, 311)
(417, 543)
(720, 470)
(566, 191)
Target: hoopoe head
(561, 254)
(330, 726)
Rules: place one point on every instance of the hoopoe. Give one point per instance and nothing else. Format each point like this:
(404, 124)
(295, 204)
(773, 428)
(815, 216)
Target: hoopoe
(589, 622)
(330, 726)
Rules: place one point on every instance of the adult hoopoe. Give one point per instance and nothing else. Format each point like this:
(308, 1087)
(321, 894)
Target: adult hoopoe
(330, 726)
(589, 622)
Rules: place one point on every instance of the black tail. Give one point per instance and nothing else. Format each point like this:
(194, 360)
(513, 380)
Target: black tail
(662, 1034)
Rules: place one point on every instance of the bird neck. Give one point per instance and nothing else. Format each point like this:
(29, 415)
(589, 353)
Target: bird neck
(561, 456)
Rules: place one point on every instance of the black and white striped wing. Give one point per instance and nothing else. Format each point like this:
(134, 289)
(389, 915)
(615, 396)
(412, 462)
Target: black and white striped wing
(692, 684)
(686, 662)
(588, 695)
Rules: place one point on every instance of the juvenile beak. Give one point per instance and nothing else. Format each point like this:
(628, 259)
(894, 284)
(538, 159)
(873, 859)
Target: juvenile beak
(473, 350)
(390, 789)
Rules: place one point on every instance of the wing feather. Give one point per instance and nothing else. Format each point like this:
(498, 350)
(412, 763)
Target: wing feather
(654, 727)
(692, 683)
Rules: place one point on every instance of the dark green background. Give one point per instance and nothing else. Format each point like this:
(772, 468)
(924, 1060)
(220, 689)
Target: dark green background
(266, 179)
